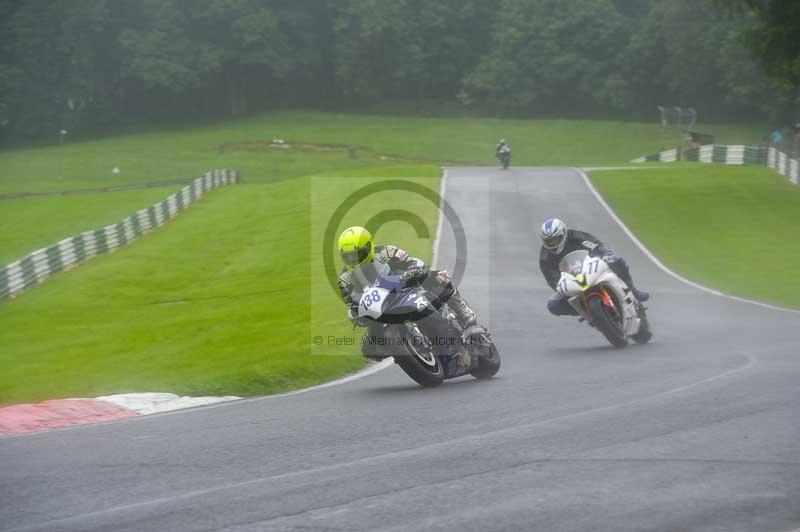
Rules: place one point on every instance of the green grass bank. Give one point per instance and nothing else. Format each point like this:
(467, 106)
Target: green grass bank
(319, 140)
(317, 144)
(225, 299)
(730, 228)
(31, 223)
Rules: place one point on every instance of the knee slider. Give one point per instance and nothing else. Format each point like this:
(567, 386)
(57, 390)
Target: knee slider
(554, 306)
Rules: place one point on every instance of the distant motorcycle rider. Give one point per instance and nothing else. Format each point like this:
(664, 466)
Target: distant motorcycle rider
(362, 257)
(557, 242)
(501, 148)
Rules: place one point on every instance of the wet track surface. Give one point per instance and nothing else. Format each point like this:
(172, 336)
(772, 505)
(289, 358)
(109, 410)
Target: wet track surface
(698, 431)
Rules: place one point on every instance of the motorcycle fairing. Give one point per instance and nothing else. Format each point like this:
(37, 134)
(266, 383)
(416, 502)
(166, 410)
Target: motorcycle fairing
(391, 305)
(584, 276)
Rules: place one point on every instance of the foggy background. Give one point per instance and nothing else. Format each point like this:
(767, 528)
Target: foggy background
(100, 64)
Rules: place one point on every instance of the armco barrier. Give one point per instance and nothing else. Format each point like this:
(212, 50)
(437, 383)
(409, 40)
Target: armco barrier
(740, 155)
(42, 263)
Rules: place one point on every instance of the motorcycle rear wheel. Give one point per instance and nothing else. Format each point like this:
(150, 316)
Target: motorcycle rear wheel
(606, 325)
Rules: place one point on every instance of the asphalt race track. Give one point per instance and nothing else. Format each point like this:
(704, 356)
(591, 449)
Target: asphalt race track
(698, 431)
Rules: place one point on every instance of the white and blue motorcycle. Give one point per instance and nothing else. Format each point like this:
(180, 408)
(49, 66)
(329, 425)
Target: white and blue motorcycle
(603, 299)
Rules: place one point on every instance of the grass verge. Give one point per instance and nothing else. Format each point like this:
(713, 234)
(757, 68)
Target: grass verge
(731, 228)
(224, 300)
(318, 143)
(27, 224)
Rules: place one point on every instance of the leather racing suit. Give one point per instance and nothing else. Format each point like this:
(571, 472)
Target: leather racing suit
(352, 282)
(580, 240)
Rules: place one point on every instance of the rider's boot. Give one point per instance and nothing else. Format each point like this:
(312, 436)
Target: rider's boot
(641, 295)
(465, 316)
(620, 267)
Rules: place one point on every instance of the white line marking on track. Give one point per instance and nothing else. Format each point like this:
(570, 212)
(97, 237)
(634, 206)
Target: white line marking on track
(605, 168)
(440, 223)
(366, 372)
(660, 264)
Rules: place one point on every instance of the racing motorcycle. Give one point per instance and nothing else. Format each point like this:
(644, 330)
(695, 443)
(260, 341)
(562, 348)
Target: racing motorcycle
(603, 299)
(505, 157)
(415, 327)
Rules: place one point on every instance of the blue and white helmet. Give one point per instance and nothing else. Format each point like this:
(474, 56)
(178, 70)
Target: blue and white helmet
(554, 235)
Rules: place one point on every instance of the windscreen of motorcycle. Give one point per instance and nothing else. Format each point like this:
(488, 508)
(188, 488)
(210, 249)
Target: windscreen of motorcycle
(572, 263)
(365, 275)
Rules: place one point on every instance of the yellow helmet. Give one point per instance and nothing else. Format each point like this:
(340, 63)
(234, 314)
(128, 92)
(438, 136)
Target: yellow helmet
(356, 247)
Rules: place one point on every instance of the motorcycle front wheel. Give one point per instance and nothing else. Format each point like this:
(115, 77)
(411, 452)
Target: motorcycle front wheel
(421, 363)
(605, 324)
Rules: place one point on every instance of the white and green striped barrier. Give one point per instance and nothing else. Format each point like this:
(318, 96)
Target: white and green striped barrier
(739, 155)
(784, 165)
(34, 268)
(666, 156)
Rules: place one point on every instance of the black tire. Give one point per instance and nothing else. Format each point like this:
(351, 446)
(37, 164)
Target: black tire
(645, 334)
(425, 368)
(603, 322)
(488, 366)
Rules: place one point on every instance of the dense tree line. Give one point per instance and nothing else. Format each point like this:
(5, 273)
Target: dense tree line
(92, 64)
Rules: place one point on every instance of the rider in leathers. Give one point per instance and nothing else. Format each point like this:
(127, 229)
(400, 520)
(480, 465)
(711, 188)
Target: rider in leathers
(359, 253)
(502, 146)
(558, 241)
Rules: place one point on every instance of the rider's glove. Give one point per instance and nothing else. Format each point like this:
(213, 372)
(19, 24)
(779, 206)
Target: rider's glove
(443, 277)
(608, 257)
(414, 274)
(352, 315)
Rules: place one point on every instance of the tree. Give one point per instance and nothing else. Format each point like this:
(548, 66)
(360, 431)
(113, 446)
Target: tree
(549, 56)
(684, 53)
(205, 55)
(408, 49)
(49, 71)
(99, 63)
(774, 36)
